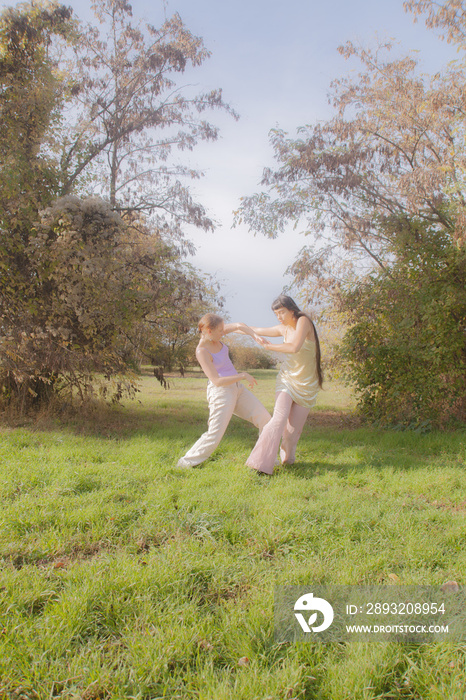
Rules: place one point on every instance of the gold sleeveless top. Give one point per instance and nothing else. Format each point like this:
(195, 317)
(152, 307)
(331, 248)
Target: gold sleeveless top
(298, 375)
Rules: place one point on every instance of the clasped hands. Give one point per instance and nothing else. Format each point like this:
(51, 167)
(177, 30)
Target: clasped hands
(262, 341)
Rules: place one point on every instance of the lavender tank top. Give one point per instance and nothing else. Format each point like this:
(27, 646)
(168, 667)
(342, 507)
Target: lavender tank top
(222, 362)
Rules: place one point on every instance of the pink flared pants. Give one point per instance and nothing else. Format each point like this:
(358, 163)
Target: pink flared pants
(286, 424)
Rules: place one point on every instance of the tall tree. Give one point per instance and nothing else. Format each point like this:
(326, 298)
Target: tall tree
(395, 147)
(133, 113)
(76, 280)
(30, 93)
(381, 189)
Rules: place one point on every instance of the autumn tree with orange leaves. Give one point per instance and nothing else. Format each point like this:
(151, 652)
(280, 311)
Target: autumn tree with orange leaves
(380, 188)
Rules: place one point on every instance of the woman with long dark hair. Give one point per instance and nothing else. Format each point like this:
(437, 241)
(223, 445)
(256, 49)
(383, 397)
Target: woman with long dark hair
(298, 383)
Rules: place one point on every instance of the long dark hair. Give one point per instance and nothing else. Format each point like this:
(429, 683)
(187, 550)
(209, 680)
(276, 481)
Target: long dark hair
(286, 302)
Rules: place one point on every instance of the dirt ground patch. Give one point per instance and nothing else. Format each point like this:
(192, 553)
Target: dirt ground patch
(335, 419)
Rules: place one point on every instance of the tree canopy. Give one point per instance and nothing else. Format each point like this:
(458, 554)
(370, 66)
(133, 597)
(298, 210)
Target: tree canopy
(385, 175)
(84, 274)
(132, 113)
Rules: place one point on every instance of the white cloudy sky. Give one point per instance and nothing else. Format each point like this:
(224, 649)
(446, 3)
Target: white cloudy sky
(274, 62)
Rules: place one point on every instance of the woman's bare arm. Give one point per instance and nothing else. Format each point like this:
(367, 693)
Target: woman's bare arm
(304, 328)
(272, 332)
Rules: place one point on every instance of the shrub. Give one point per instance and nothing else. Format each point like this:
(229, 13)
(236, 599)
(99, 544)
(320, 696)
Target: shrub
(250, 357)
(405, 348)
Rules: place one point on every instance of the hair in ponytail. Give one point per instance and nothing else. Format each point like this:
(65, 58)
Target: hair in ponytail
(209, 322)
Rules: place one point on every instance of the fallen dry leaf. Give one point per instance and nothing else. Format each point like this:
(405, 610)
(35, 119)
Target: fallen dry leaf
(450, 587)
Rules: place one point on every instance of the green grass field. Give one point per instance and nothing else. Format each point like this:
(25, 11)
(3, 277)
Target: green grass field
(122, 577)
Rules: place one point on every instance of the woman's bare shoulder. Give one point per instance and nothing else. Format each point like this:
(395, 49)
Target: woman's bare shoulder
(305, 323)
(202, 349)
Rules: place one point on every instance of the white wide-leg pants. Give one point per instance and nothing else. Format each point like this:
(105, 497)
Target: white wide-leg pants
(224, 401)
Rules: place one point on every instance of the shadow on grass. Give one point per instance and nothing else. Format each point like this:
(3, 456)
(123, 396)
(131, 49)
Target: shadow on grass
(310, 470)
(179, 410)
(395, 459)
(333, 441)
(166, 413)
(120, 421)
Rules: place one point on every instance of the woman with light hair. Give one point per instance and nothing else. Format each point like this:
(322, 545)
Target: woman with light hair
(225, 393)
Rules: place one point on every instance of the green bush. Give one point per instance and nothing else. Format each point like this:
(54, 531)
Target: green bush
(250, 357)
(405, 348)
